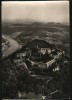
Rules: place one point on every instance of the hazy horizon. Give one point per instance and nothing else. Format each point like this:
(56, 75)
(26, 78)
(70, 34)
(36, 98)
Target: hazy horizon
(42, 11)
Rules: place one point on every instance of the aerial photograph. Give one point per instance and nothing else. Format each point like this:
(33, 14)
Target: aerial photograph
(35, 50)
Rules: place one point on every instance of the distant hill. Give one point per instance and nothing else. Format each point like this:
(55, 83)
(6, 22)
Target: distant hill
(32, 25)
(30, 21)
(19, 21)
(38, 23)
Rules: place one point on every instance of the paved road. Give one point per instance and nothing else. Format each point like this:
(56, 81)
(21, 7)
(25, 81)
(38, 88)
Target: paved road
(13, 46)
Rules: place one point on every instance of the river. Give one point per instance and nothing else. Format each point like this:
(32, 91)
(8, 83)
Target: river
(13, 46)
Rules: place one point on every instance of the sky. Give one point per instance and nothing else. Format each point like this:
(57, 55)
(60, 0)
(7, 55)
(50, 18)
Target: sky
(43, 11)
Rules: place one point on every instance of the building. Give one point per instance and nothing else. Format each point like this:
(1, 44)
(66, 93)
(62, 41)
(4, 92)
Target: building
(17, 61)
(44, 50)
(21, 55)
